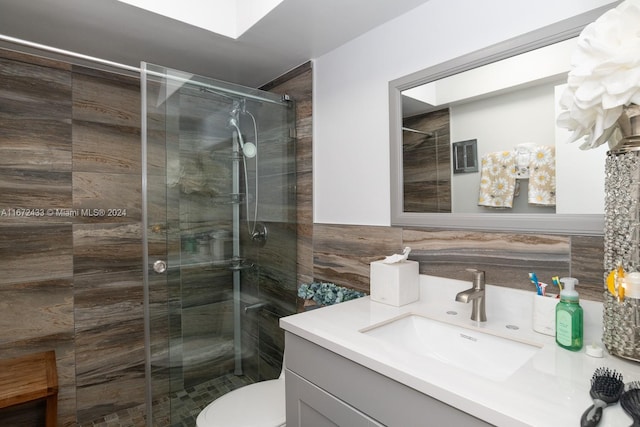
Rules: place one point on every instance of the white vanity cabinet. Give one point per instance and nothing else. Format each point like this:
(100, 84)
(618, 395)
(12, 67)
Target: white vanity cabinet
(326, 389)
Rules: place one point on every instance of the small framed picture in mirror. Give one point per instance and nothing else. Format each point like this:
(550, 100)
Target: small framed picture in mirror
(465, 156)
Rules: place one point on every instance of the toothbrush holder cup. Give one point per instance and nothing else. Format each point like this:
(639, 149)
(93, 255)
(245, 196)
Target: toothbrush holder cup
(544, 314)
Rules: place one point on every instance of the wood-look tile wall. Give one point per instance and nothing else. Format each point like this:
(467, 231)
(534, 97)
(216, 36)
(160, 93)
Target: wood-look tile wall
(73, 282)
(274, 282)
(426, 162)
(342, 254)
(71, 277)
(36, 253)
(298, 84)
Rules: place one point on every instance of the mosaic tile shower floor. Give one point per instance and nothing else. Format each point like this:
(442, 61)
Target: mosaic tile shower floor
(186, 405)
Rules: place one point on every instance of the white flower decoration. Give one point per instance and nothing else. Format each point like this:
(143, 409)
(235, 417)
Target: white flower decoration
(501, 186)
(604, 77)
(540, 197)
(506, 158)
(542, 156)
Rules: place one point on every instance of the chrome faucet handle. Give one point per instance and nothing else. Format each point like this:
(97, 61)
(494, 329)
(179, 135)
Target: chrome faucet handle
(478, 278)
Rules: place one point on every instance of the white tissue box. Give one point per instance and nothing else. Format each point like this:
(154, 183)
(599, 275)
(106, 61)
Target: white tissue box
(395, 284)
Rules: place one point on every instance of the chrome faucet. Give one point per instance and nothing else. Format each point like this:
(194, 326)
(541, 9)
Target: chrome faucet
(475, 294)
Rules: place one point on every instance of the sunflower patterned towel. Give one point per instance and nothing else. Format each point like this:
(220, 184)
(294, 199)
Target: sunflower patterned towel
(497, 179)
(542, 176)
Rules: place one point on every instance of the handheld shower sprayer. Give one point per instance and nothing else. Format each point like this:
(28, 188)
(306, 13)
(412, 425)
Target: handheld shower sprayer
(249, 149)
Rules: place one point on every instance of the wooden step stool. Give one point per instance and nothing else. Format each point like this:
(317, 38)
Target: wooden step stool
(28, 378)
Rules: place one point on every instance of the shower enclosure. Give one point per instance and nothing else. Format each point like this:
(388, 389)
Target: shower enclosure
(220, 238)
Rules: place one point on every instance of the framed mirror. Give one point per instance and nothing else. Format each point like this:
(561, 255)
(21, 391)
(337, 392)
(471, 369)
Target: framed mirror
(430, 114)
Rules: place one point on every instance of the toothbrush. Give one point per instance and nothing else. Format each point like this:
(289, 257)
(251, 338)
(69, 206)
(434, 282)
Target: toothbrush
(543, 288)
(534, 280)
(556, 282)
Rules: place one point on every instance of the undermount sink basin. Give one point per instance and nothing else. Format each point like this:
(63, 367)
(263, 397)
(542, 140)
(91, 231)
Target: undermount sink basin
(490, 356)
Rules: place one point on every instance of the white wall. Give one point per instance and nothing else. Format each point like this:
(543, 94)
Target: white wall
(500, 123)
(350, 112)
(580, 190)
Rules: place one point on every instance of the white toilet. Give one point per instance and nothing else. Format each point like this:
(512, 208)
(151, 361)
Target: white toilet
(260, 404)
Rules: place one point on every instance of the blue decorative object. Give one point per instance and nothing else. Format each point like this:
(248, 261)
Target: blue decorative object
(327, 293)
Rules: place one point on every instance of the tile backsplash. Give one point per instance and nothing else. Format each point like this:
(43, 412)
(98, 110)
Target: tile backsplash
(342, 253)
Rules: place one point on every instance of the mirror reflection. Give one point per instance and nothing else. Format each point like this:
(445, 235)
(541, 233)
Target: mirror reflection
(486, 141)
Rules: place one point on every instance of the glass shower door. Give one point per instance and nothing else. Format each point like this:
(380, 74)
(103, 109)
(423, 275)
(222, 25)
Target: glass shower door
(220, 237)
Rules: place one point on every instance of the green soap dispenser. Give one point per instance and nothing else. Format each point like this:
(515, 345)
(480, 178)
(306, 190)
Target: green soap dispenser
(569, 317)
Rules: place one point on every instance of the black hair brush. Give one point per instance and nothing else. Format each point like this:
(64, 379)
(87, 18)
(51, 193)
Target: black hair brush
(630, 402)
(606, 388)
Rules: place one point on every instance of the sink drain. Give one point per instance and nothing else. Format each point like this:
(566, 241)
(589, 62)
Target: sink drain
(452, 313)
(513, 327)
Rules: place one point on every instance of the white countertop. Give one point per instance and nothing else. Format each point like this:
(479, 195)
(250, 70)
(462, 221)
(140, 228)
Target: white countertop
(551, 389)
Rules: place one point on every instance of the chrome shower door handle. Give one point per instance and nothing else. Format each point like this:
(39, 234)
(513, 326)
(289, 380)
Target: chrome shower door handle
(160, 266)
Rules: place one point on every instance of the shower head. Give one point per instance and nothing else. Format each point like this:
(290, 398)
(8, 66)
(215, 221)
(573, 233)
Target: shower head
(248, 149)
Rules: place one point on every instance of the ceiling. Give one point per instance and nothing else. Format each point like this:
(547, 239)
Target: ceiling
(291, 34)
